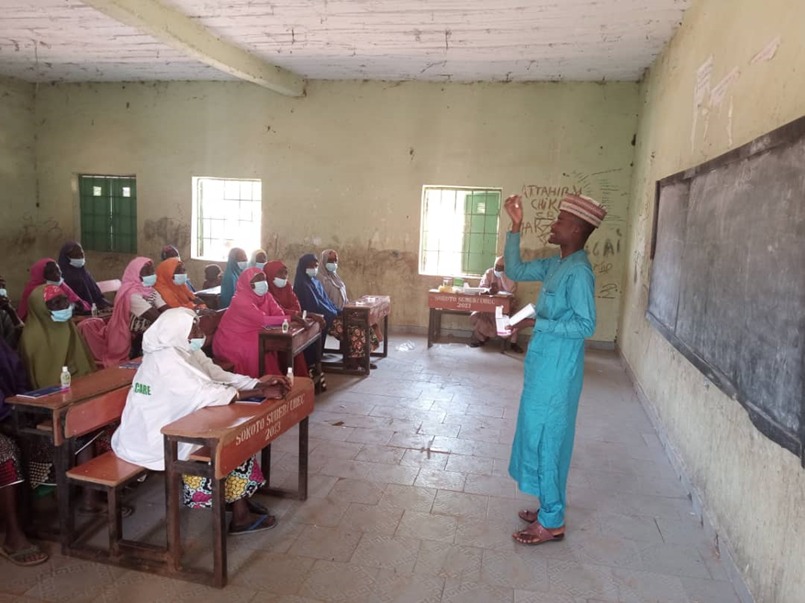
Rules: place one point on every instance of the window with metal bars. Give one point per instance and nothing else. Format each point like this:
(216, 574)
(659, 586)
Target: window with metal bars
(459, 230)
(108, 212)
(226, 213)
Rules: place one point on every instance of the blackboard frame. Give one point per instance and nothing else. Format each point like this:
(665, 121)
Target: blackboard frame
(787, 134)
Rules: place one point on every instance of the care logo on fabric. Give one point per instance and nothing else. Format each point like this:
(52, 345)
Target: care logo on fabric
(141, 388)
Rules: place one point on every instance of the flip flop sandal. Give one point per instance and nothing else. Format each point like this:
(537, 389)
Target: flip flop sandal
(265, 522)
(540, 536)
(528, 515)
(31, 555)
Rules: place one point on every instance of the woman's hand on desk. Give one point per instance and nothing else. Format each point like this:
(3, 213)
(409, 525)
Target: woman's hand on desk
(273, 386)
(319, 318)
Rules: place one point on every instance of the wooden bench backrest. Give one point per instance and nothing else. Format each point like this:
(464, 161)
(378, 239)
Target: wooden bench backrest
(89, 415)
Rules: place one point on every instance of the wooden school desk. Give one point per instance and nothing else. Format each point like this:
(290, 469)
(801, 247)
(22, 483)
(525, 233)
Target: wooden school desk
(296, 340)
(230, 435)
(65, 411)
(460, 303)
(363, 313)
(210, 297)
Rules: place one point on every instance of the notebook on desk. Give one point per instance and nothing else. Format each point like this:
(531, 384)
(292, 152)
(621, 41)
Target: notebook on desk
(42, 392)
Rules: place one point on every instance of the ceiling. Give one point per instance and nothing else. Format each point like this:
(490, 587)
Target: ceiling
(433, 40)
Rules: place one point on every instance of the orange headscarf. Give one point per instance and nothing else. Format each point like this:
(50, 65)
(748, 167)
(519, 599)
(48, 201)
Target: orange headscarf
(176, 296)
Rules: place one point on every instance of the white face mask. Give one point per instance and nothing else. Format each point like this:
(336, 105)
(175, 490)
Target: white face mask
(260, 287)
(196, 343)
(243, 265)
(498, 273)
(179, 279)
(3, 293)
(312, 272)
(280, 282)
(260, 265)
(78, 262)
(331, 266)
(150, 280)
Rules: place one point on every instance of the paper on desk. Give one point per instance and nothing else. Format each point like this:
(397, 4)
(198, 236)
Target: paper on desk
(504, 323)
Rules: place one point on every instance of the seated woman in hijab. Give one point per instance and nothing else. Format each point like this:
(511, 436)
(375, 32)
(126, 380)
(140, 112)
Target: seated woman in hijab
(235, 265)
(172, 285)
(174, 380)
(138, 305)
(212, 276)
(47, 272)
(10, 322)
(258, 259)
(73, 268)
(252, 309)
(336, 290)
(50, 340)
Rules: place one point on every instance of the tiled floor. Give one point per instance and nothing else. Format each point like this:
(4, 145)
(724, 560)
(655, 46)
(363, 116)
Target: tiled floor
(410, 501)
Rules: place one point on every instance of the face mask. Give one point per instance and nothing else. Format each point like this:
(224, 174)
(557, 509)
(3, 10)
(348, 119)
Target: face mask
(280, 282)
(57, 283)
(179, 279)
(331, 266)
(260, 265)
(243, 265)
(260, 287)
(4, 293)
(312, 272)
(78, 262)
(150, 280)
(62, 315)
(498, 273)
(196, 343)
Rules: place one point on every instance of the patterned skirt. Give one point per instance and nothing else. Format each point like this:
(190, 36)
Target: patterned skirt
(356, 338)
(10, 467)
(241, 483)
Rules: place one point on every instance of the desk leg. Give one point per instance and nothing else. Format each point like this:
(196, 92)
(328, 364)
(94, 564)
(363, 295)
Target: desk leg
(261, 357)
(173, 490)
(430, 327)
(303, 458)
(385, 336)
(61, 463)
(219, 532)
(265, 464)
(367, 348)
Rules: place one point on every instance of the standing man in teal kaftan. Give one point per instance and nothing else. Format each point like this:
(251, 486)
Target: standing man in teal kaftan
(554, 363)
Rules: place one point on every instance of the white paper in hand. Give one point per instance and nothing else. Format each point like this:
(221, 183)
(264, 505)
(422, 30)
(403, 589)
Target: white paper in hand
(504, 323)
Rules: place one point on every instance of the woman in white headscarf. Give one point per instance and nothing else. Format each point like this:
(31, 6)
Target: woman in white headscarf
(175, 379)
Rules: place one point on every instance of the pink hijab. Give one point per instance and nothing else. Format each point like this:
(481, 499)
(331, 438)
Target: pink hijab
(38, 278)
(111, 343)
(236, 337)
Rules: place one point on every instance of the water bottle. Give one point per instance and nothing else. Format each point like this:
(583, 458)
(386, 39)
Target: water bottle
(65, 378)
(94, 310)
(285, 326)
(289, 375)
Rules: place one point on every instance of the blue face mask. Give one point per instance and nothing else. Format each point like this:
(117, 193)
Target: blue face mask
(62, 315)
(260, 287)
(312, 272)
(150, 280)
(3, 293)
(280, 282)
(196, 343)
(331, 266)
(260, 265)
(57, 283)
(179, 279)
(243, 265)
(78, 262)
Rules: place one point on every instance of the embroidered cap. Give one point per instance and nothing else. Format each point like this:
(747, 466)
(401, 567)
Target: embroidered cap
(586, 208)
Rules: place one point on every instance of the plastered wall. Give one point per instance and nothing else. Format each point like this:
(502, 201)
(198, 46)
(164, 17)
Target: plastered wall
(343, 167)
(732, 72)
(18, 184)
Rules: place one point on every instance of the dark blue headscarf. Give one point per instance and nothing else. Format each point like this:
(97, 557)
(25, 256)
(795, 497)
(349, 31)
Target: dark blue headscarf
(229, 280)
(79, 279)
(311, 294)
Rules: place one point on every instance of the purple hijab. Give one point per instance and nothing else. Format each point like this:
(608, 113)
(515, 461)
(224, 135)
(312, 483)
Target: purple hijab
(13, 378)
(79, 279)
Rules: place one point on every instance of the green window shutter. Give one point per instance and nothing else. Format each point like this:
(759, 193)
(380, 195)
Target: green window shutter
(108, 210)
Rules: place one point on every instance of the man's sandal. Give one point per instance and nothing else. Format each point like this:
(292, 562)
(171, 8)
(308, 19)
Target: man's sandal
(528, 515)
(30, 555)
(536, 533)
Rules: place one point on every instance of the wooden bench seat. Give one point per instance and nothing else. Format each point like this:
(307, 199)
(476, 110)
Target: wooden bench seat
(201, 454)
(107, 470)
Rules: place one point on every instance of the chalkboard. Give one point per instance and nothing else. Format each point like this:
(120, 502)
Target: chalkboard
(728, 276)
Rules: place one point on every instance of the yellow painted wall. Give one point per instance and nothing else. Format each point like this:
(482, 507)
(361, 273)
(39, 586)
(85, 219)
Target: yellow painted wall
(343, 167)
(753, 488)
(18, 185)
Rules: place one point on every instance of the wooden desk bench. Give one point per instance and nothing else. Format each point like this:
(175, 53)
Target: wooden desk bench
(295, 341)
(363, 313)
(460, 303)
(231, 435)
